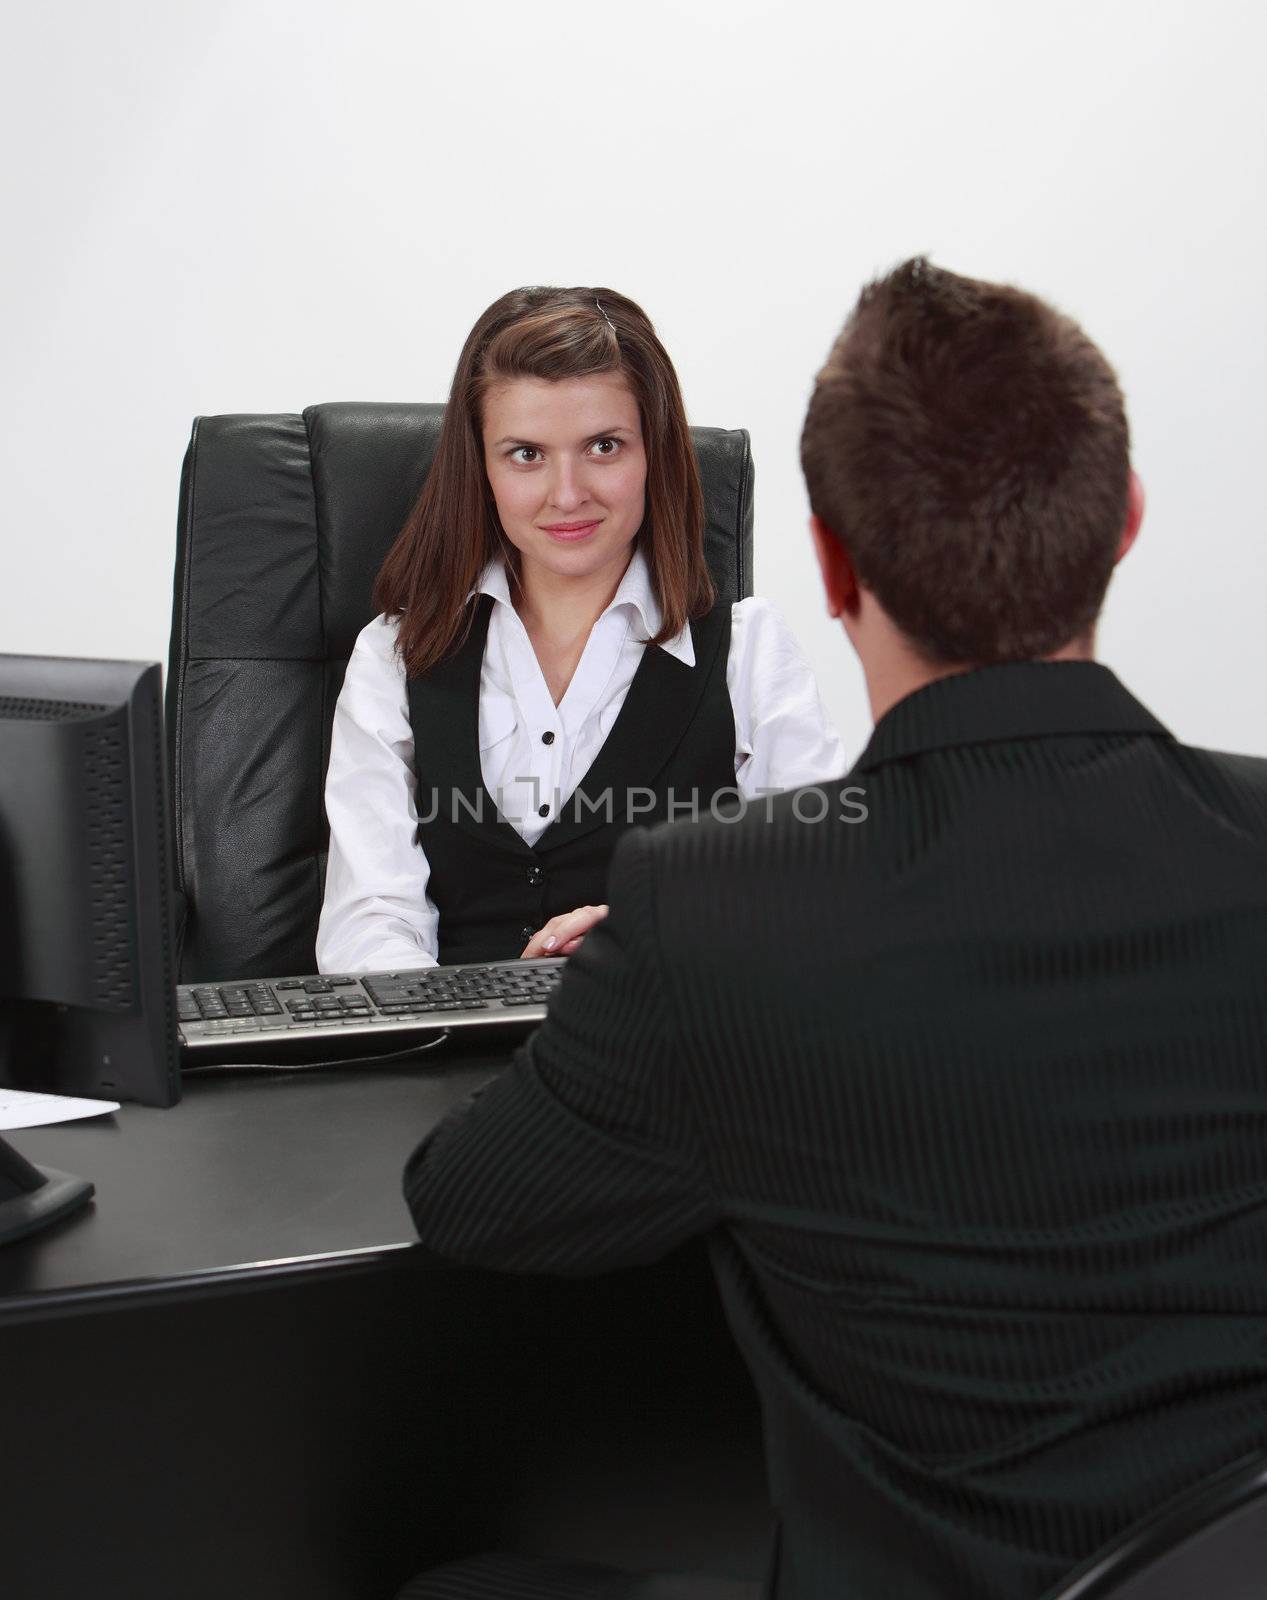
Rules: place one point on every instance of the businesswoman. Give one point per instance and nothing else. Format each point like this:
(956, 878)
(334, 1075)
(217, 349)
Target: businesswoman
(549, 666)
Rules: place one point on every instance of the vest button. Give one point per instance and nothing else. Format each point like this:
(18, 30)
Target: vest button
(547, 737)
(526, 933)
(535, 876)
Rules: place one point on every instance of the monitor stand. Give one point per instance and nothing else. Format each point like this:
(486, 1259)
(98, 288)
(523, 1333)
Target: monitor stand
(32, 1197)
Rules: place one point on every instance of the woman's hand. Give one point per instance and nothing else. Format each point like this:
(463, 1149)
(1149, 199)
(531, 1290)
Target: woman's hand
(563, 935)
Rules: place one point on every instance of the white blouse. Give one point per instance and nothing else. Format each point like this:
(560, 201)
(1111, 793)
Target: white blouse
(377, 914)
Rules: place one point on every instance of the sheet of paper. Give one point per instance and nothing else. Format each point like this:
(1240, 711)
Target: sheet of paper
(19, 1108)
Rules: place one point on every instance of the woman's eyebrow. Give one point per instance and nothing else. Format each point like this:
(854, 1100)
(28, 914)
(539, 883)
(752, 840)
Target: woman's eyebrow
(531, 444)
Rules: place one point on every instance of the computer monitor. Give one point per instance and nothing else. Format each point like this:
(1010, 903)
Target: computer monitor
(31, 1197)
(87, 965)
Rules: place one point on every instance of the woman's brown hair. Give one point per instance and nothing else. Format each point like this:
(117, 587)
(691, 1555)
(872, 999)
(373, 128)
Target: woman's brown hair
(453, 530)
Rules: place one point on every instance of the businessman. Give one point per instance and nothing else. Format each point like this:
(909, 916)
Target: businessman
(969, 1097)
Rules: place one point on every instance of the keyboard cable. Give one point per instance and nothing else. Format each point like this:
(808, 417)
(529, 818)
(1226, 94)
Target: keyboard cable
(219, 1067)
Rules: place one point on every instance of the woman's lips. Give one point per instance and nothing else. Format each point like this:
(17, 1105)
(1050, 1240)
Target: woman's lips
(570, 531)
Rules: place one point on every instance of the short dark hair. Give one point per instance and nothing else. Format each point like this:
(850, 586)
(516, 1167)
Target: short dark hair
(968, 445)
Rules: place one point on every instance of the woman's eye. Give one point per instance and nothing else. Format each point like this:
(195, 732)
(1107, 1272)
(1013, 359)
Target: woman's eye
(526, 453)
(605, 447)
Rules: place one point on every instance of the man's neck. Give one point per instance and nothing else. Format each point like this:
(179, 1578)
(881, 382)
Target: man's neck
(895, 671)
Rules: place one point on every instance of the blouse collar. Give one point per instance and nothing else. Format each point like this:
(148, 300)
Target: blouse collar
(635, 593)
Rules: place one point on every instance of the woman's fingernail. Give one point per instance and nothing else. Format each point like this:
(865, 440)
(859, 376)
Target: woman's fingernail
(551, 942)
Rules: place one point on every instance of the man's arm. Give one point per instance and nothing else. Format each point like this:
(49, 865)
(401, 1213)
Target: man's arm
(583, 1155)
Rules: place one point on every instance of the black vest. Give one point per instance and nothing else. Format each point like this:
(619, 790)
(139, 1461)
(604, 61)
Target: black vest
(669, 754)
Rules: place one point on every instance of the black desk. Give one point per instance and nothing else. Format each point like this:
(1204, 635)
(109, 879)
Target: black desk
(233, 1377)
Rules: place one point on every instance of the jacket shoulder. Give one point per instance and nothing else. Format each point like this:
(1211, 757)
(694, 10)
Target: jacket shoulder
(762, 830)
(1238, 766)
(1227, 781)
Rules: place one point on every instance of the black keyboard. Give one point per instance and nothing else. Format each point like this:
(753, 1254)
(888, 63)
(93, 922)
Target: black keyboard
(255, 1016)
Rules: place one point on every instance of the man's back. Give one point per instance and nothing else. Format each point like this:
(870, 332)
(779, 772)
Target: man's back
(988, 1118)
(971, 1097)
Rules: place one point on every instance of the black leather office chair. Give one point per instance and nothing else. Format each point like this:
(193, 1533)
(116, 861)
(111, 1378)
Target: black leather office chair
(1209, 1543)
(510, 1577)
(284, 522)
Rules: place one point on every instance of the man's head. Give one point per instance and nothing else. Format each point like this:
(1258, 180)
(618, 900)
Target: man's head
(968, 463)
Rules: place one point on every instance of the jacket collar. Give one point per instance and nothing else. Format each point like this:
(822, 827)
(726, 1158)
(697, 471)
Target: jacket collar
(1017, 700)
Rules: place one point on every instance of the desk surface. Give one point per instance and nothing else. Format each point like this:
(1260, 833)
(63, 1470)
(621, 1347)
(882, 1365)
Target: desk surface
(262, 1398)
(256, 1176)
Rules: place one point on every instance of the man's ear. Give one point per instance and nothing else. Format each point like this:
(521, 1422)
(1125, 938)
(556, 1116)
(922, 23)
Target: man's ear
(839, 580)
(1134, 514)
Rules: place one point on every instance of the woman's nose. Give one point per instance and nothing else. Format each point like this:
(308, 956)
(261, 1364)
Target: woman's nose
(567, 486)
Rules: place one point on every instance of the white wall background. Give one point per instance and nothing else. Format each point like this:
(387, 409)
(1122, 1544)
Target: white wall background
(259, 204)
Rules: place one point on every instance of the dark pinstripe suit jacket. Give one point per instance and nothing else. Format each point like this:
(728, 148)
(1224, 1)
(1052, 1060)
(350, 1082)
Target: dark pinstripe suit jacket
(971, 1098)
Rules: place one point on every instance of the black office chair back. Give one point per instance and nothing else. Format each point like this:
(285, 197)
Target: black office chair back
(284, 522)
(1208, 1544)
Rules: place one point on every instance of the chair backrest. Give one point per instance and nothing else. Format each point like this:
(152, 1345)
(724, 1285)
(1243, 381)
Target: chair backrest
(284, 522)
(1210, 1543)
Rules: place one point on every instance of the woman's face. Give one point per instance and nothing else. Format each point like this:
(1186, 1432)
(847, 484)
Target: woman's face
(567, 468)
